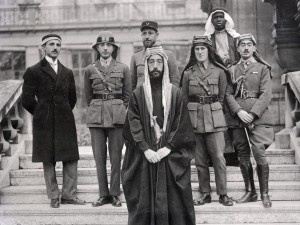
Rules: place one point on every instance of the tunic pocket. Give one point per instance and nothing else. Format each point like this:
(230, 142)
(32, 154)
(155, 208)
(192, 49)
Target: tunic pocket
(192, 107)
(118, 112)
(213, 86)
(217, 115)
(94, 112)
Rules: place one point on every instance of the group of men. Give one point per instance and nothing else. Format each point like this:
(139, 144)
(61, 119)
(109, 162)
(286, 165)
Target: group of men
(164, 118)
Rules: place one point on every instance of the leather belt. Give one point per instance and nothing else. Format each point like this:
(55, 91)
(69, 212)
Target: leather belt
(247, 94)
(107, 96)
(203, 99)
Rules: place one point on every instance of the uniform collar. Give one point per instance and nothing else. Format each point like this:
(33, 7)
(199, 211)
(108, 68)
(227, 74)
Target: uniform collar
(105, 61)
(248, 61)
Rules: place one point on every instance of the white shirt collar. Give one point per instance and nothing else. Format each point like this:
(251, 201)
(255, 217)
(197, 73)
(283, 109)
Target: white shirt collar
(50, 60)
(105, 61)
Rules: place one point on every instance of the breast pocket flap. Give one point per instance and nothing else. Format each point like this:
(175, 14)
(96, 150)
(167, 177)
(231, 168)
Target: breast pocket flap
(213, 81)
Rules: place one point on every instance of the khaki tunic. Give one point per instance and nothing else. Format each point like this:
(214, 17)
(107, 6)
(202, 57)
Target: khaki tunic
(108, 113)
(207, 117)
(257, 80)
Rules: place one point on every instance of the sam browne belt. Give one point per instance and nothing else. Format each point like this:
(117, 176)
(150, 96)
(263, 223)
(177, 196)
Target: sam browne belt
(107, 96)
(203, 99)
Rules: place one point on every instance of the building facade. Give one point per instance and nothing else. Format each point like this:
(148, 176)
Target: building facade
(24, 22)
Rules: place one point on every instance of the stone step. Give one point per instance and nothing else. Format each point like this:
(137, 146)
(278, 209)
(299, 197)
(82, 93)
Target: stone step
(89, 176)
(275, 157)
(285, 212)
(279, 191)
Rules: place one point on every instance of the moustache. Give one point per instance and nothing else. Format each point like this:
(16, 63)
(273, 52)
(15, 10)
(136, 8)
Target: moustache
(246, 51)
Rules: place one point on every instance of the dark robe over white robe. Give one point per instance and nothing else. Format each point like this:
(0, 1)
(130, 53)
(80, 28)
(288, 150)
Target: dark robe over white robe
(160, 193)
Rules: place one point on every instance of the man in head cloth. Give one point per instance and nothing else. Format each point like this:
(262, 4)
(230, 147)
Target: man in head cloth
(249, 95)
(219, 27)
(156, 174)
(149, 34)
(49, 95)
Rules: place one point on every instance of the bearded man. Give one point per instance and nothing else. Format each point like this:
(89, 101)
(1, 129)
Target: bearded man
(160, 144)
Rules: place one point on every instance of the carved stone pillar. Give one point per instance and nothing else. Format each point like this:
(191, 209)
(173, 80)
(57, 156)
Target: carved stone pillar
(285, 33)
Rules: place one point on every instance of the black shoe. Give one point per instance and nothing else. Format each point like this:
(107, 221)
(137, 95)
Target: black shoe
(115, 201)
(204, 198)
(101, 201)
(266, 201)
(249, 196)
(54, 203)
(225, 200)
(75, 201)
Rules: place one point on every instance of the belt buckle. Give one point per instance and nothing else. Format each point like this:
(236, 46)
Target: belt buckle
(201, 100)
(106, 96)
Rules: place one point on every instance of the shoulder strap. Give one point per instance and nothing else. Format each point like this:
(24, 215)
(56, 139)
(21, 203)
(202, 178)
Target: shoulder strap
(202, 85)
(102, 78)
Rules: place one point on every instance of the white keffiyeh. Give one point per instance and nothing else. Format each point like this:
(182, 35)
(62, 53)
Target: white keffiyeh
(210, 29)
(166, 91)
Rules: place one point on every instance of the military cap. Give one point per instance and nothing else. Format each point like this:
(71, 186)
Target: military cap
(244, 37)
(105, 37)
(50, 37)
(201, 39)
(149, 24)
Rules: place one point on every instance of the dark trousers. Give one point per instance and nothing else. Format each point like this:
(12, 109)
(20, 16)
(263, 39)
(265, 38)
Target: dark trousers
(260, 138)
(69, 188)
(213, 145)
(99, 136)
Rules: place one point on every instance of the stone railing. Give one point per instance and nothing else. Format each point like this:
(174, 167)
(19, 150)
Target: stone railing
(15, 122)
(291, 81)
(36, 15)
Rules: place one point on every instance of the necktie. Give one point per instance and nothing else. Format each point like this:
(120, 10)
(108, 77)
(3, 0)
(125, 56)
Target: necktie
(53, 65)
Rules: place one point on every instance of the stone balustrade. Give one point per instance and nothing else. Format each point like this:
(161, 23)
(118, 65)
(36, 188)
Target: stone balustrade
(291, 81)
(14, 120)
(36, 15)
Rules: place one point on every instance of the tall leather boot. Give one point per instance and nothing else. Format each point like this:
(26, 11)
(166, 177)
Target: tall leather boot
(250, 195)
(263, 178)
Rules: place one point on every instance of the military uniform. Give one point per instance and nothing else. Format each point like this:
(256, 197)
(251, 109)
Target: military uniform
(205, 105)
(137, 67)
(105, 118)
(251, 91)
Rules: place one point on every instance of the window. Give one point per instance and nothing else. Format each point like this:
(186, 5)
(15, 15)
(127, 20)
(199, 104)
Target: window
(12, 64)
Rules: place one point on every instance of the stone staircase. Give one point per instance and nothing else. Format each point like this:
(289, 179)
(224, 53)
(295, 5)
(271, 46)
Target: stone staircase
(25, 200)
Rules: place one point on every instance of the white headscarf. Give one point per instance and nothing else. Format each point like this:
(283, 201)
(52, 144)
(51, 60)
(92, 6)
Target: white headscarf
(210, 29)
(166, 91)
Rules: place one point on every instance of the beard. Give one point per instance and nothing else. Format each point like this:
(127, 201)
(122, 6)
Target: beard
(155, 74)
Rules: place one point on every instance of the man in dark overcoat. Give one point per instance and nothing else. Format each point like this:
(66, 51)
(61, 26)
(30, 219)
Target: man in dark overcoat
(156, 172)
(249, 95)
(49, 95)
(149, 34)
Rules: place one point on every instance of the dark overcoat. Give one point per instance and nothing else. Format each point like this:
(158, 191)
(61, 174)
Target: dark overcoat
(158, 193)
(50, 98)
